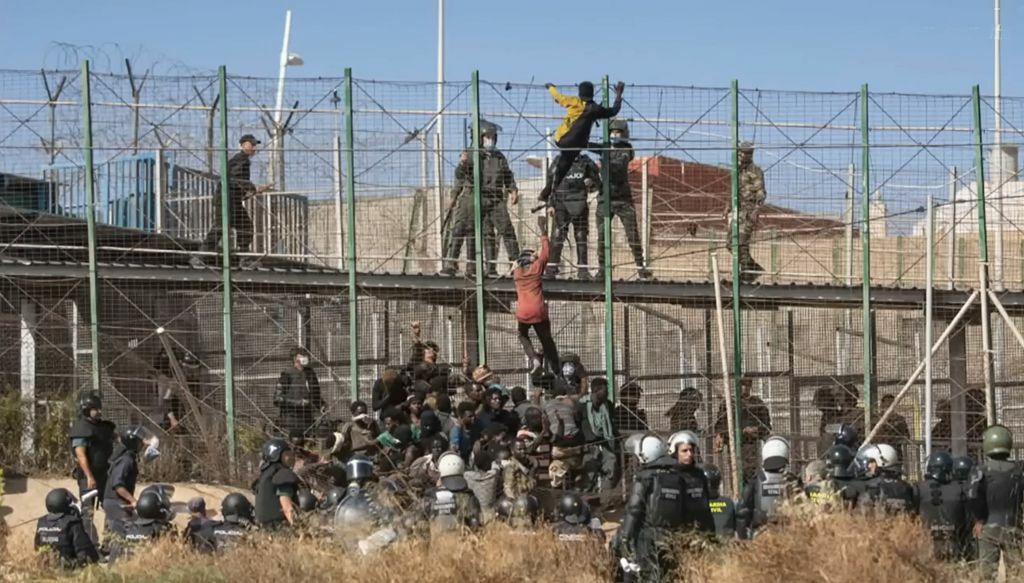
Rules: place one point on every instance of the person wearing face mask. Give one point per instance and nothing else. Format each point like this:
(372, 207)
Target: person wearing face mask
(496, 181)
(621, 198)
(298, 397)
(571, 210)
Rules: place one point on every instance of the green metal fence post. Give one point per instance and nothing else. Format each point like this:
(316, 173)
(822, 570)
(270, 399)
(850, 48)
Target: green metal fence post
(865, 244)
(350, 242)
(90, 223)
(225, 248)
(478, 229)
(606, 226)
(986, 328)
(737, 314)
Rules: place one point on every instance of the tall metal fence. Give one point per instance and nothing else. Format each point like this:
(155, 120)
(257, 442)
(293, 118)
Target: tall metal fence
(110, 187)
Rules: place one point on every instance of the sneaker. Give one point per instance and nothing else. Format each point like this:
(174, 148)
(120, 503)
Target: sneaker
(644, 274)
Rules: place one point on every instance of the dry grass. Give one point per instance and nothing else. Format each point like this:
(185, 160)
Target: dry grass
(837, 548)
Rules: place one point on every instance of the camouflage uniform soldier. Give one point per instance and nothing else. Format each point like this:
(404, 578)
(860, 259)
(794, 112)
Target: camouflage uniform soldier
(461, 205)
(496, 181)
(621, 197)
(752, 194)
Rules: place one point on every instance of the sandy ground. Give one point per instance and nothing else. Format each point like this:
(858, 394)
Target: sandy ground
(23, 504)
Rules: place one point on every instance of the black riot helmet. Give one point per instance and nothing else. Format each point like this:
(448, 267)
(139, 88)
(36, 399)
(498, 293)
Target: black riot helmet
(939, 467)
(714, 476)
(134, 438)
(89, 402)
(526, 507)
(839, 461)
(307, 501)
(60, 501)
(236, 507)
(273, 450)
(504, 507)
(359, 469)
(962, 467)
(573, 509)
(846, 435)
(152, 506)
(333, 497)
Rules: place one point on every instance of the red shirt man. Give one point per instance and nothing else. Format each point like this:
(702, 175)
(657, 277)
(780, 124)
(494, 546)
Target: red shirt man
(531, 310)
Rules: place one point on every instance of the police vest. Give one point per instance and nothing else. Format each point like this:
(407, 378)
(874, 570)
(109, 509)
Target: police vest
(667, 499)
(572, 533)
(100, 436)
(724, 513)
(895, 495)
(52, 531)
(573, 185)
(942, 508)
(228, 534)
(444, 510)
(136, 533)
(1004, 490)
(770, 489)
(268, 503)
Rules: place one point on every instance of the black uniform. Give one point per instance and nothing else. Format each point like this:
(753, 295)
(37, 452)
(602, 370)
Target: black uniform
(65, 535)
(239, 186)
(889, 493)
(943, 510)
(199, 534)
(298, 397)
(97, 437)
(136, 533)
(666, 499)
(124, 472)
(996, 495)
(723, 511)
(566, 532)
(275, 480)
(848, 491)
(621, 202)
(229, 533)
(571, 209)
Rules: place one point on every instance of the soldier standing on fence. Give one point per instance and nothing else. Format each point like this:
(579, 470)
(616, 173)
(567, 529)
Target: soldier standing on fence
(752, 195)
(497, 180)
(240, 187)
(621, 198)
(461, 205)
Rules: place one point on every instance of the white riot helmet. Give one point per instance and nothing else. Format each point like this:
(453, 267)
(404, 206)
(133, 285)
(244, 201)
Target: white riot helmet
(680, 437)
(650, 447)
(887, 458)
(775, 453)
(450, 464)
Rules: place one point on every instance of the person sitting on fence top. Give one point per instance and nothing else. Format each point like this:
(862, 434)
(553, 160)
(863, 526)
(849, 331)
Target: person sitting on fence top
(240, 187)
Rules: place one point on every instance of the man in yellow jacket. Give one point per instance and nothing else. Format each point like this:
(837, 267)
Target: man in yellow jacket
(573, 136)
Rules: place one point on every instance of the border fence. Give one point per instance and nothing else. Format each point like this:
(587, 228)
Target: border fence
(891, 225)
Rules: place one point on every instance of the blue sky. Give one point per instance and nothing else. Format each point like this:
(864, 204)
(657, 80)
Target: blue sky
(932, 46)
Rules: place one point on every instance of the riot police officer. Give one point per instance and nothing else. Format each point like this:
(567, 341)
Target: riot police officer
(621, 198)
(574, 520)
(119, 493)
(453, 505)
(772, 485)
(152, 520)
(942, 507)
(238, 517)
(276, 487)
(662, 502)
(963, 467)
(996, 495)
(723, 510)
(571, 210)
(61, 531)
(844, 484)
(497, 181)
(358, 509)
(887, 490)
(520, 513)
(92, 443)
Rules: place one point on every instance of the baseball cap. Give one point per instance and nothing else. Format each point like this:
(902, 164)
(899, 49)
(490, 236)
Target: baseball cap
(249, 138)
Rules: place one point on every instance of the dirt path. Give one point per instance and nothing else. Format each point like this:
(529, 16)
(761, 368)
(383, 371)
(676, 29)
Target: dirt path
(24, 502)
